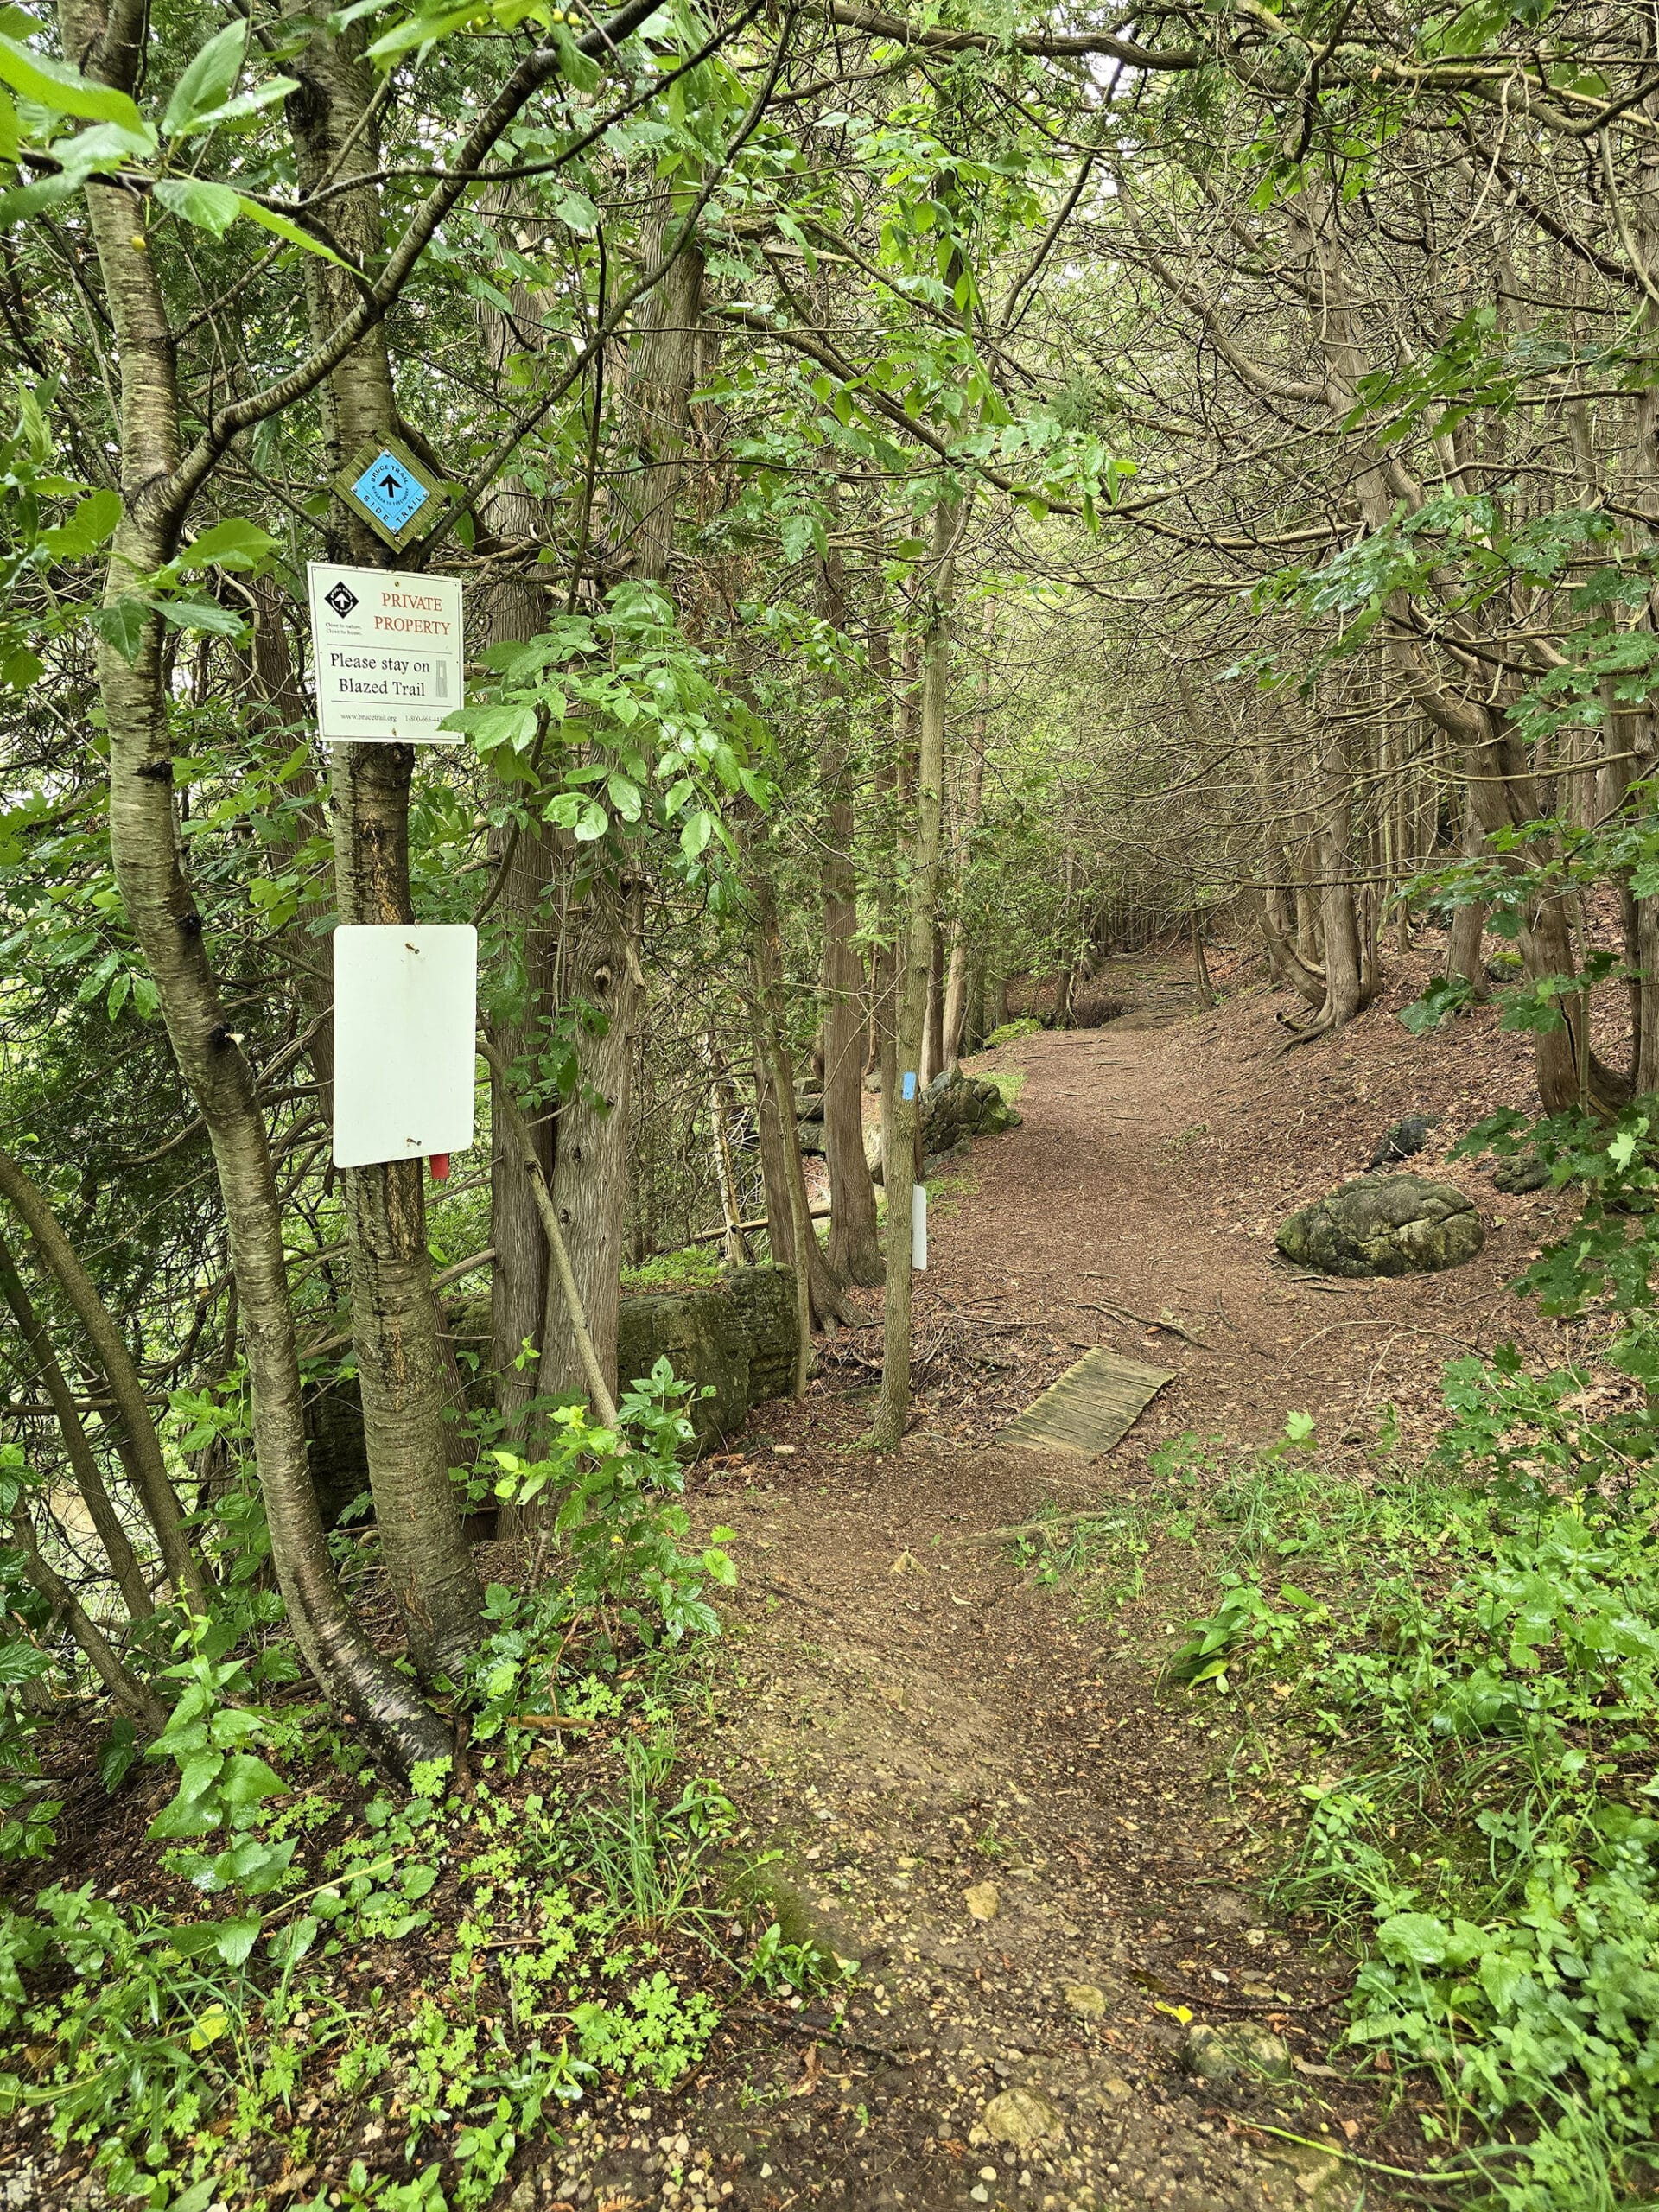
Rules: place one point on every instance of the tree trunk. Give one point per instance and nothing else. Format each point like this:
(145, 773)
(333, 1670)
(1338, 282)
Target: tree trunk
(601, 977)
(600, 966)
(734, 1244)
(1200, 962)
(89, 1480)
(136, 1698)
(143, 1454)
(1340, 923)
(395, 1326)
(789, 1220)
(395, 1323)
(854, 1251)
(519, 1275)
(1463, 947)
(956, 973)
(933, 1028)
(902, 1116)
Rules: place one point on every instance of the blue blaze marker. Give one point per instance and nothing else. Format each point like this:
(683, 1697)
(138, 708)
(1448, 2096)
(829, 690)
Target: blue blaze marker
(391, 492)
(910, 1083)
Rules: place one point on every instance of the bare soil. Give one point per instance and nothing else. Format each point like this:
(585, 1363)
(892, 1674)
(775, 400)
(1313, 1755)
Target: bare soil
(907, 1714)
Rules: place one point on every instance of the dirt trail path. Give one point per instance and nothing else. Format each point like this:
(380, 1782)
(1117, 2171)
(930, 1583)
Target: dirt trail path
(916, 1718)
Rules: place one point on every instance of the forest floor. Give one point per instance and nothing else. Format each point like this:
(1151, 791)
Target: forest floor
(909, 1710)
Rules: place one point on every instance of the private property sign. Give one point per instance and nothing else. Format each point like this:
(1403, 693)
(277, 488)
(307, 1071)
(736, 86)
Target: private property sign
(387, 651)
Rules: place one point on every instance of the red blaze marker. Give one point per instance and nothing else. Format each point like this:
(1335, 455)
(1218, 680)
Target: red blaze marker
(439, 1164)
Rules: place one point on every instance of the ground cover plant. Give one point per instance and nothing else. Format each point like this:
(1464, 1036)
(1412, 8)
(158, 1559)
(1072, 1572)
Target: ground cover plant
(307, 1986)
(1454, 1666)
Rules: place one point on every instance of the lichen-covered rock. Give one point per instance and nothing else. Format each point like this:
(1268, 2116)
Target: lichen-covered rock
(1239, 2051)
(955, 1107)
(764, 1299)
(737, 1336)
(701, 1333)
(1385, 1225)
(1522, 1172)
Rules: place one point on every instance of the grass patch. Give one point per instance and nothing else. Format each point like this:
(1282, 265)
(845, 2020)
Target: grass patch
(1010, 1082)
(1100, 1558)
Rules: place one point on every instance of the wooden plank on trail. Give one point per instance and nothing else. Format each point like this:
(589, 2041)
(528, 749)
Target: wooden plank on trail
(1092, 1406)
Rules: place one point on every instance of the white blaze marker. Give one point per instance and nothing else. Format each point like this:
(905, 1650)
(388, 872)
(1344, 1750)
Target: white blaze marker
(918, 1227)
(387, 652)
(405, 1015)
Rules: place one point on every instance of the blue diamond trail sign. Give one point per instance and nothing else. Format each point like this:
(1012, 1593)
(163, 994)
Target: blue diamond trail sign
(388, 488)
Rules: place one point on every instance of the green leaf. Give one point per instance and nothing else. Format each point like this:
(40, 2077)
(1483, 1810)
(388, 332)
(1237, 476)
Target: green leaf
(289, 1945)
(238, 1937)
(197, 2197)
(211, 206)
(577, 211)
(624, 794)
(1417, 1937)
(244, 104)
(247, 1779)
(122, 625)
(201, 615)
(102, 146)
(419, 30)
(56, 85)
(267, 220)
(209, 80)
(233, 1940)
(93, 521)
(26, 199)
(20, 1662)
(699, 828)
(233, 544)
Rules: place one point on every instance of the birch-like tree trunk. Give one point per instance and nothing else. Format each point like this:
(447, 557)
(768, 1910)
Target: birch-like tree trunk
(902, 1116)
(395, 1328)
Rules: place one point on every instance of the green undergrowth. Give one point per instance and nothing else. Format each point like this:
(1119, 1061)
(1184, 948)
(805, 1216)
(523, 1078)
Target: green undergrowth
(298, 1970)
(1454, 1666)
(696, 1267)
(1010, 1082)
(1009, 1032)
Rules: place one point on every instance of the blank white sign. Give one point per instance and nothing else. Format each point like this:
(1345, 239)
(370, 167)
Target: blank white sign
(405, 1015)
(918, 1226)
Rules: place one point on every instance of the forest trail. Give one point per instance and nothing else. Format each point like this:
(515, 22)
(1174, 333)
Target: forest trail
(909, 1714)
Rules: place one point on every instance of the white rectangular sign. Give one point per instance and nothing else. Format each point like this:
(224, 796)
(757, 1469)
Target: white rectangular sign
(387, 651)
(406, 1018)
(918, 1226)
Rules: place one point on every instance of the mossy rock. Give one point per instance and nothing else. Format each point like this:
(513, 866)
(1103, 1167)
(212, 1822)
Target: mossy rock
(737, 1335)
(764, 1299)
(1385, 1225)
(955, 1107)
